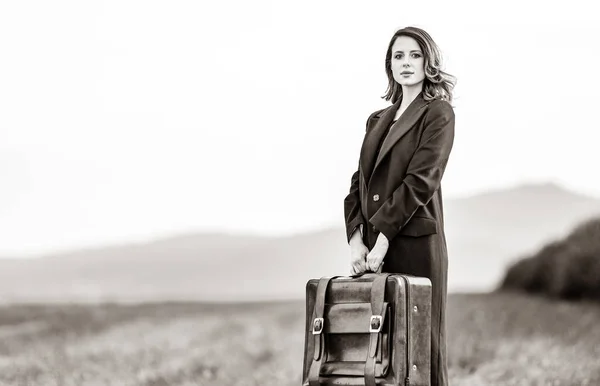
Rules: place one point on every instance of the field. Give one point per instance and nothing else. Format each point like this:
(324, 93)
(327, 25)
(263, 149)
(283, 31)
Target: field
(494, 339)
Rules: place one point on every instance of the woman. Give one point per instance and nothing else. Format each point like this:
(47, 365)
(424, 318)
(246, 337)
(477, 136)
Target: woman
(394, 212)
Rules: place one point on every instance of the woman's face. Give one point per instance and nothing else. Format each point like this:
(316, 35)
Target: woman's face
(408, 64)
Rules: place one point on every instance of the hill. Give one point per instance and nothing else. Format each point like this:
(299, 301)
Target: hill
(488, 232)
(485, 233)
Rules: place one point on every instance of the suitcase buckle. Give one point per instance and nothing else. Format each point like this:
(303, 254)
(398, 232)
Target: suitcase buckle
(376, 322)
(318, 326)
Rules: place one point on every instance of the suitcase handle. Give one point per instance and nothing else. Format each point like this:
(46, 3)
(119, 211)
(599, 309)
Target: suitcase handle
(367, 273)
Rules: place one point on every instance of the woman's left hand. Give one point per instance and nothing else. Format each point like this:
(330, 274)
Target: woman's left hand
(375, 257)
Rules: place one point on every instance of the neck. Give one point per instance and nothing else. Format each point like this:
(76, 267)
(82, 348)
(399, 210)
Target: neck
(409, 93)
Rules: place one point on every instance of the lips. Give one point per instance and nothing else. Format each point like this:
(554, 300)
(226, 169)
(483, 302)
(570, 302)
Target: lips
(406, 73)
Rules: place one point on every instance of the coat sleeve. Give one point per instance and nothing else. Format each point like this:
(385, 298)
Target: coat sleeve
(352, 208)
(352, 211)
(424, 172)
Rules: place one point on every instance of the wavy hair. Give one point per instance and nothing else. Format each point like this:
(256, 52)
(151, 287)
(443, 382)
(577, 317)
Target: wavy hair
(437, 83)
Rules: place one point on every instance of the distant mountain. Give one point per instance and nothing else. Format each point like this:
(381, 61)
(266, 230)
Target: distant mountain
(202, 266)
(485, 232)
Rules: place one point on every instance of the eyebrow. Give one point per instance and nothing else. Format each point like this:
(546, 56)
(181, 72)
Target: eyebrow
(395, 52)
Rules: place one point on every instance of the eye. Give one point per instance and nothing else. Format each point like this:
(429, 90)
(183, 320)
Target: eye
(416, 55)
(398, 56)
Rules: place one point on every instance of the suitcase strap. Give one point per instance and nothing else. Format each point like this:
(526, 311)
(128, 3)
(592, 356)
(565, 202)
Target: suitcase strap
(317, 330)
(376, 323)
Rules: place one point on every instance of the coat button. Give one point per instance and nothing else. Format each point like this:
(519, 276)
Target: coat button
(376, 197)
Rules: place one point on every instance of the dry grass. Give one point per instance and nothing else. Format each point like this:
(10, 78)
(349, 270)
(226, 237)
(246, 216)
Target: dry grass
(494, 339)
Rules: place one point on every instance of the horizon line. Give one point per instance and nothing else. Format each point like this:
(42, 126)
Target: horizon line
(149, 238)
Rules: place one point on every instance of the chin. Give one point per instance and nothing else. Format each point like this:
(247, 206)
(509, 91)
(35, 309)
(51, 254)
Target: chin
(409, 82)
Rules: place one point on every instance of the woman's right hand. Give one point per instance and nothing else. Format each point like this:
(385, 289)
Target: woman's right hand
(358, 254)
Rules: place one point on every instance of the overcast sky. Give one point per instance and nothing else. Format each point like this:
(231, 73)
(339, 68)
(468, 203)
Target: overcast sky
(127, 120)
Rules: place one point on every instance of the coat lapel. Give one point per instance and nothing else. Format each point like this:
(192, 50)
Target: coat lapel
(407, 120)
(373, 138)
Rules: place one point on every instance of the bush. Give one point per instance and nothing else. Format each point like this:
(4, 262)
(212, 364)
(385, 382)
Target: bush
(520, 275)
(567, 268)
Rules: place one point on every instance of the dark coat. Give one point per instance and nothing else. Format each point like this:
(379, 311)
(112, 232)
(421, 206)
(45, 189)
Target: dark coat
(399, 194)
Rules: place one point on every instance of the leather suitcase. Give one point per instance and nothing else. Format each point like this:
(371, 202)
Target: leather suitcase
(372, 329)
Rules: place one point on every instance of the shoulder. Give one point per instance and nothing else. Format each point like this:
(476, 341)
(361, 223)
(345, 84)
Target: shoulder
(374, 116)
(439, 109)
(440, 106)
(378, 113)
